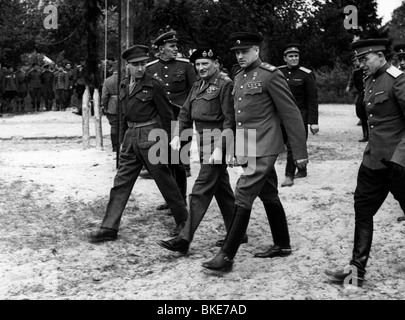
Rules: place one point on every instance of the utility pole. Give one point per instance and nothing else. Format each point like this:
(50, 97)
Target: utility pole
(119, 81)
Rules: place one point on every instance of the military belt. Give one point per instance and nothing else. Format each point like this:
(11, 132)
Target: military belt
(140, 124)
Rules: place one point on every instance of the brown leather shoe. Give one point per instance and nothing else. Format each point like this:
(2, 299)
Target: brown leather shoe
(221, 262)
(288, 182)
(176, 244)
(102, 235)
(274, 251)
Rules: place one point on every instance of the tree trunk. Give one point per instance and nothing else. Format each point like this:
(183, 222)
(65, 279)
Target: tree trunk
(97, 120)
(85, 119)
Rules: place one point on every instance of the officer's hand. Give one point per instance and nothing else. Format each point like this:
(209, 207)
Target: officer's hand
(301, 164)
(175, 143)
(216, 157)
(314, 128)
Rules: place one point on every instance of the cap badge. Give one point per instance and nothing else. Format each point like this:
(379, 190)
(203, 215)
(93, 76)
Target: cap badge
(204, 54)
(237, 41)
(210, 53)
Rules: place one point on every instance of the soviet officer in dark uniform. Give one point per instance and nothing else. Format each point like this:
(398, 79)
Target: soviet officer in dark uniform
(383, 167)
(210, 106)
(145, 108)
(262, 99)
(303, 87)
(47, 89)
(356, 81)
(22, 91)
(178, 76)
(400, 50)
(34, 83)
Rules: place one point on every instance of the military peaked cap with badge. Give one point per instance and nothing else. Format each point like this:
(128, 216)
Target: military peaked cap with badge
(363, 47)
(166, 37)
(400, 49)
(291, 47)
(244, 40)
(203, 53)
(136, 53)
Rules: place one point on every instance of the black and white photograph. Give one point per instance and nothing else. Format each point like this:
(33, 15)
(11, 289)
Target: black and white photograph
(202, 155)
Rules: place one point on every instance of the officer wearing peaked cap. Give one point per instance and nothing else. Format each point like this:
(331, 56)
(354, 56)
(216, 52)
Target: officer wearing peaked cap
(262, 99)
(400, 50)
(178, 76)
(383, 167)
(303, 87)
(145, 108)
(209, 107)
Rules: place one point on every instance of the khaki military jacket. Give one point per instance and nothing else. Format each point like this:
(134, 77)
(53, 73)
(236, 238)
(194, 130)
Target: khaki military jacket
(210, 106)
(262, 99)
(385, 105)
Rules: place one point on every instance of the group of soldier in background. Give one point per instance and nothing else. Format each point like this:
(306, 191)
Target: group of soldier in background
(49, 86)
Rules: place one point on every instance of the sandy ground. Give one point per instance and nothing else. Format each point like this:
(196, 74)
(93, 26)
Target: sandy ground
(53, 192)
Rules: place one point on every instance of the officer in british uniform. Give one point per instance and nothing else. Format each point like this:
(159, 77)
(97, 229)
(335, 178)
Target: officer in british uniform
(210, 107)
(383, 167)
(262, 99)
(303, 87)
(178, 76)
(145, 108)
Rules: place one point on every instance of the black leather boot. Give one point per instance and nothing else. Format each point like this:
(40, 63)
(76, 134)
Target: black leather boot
(364, 126)
(223, 261)
(363, 237)
(279, 230)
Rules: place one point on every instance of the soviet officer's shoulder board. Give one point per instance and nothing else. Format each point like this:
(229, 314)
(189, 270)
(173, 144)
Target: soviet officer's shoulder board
(305, 70)
(183, 60)
(155, 76)
(268, 67)
(394, 72)
(152, 62)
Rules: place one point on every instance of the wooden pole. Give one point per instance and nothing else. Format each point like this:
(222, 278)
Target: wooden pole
(119, 80)
(97, 119)
(85, 119)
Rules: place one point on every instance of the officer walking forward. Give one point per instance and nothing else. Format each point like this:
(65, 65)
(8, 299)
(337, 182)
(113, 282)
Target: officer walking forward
(383, 167)
(262, 100)
(178, 76)
(145, 107)
(303, 87)
(210, 106)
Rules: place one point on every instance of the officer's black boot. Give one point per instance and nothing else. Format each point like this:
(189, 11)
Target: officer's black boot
(279, 230)
(180, 217)
(114, 141)
(223, 261)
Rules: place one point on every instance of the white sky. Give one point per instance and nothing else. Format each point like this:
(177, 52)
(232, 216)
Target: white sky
(386, 7)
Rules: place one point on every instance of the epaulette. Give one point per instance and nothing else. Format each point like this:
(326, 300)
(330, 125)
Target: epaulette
(183, 60)
(394, 72)
(305, 70)
(268, 67)
(152, 62)
(225, 77)
(157, 78)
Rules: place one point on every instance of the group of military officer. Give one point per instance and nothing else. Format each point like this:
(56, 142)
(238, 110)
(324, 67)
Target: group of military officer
(41, 84)
(255, 116)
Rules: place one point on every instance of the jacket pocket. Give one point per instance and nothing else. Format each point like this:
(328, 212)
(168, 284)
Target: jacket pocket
(381, 97)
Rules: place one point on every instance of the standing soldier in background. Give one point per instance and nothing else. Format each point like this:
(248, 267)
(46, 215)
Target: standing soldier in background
(109, 104)
(303, 87)
(9, 89)
(80, 85)
(400, 50)
(382, 170)
(69, 91)
(356, 81)
(22, 92)
(262, 100)
(34, 83)
(47, 88)
(60, 85)
(178, 75)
